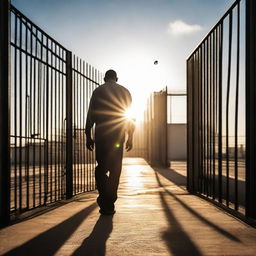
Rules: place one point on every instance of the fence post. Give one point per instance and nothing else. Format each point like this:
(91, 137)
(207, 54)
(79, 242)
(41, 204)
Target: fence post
(250, 108)
(4, 112)
(190, 126)
(69, 143)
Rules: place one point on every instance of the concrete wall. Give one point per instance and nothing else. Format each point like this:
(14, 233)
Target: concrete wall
(177, 141)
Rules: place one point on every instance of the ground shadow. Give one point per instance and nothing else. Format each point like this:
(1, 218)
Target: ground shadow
(178, 242)
(51, 240)
(181, 180)
(172, 175)
(95, 244)
(195, 214)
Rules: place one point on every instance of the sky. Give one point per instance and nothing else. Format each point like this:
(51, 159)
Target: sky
(128, 36)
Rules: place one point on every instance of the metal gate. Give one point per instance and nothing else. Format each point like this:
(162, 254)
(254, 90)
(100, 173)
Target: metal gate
(45, 92)
(221, 112)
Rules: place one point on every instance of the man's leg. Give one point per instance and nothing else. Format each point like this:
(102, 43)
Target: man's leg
(101, 177)
(115, 167)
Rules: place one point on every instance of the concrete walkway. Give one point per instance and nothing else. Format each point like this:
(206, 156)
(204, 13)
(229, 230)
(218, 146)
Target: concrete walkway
(155, 216)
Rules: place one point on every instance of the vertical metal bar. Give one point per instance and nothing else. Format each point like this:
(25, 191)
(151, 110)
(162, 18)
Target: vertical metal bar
(84, 114)
(220, 112)
(64, 120)
(217, 110)
(4, 112)
(26, 116)
(210, 109)
(236, 105)
(207, 117)
(15, 115)
(20, 118)
(39, 74)
(77, 127)
(80, 125)
(33, 76)
(51, 126)
(46, 179)
(213, 111)
(87, 151)
(62, 125)
(227, 106)
(202, 118)
(69, 147)
(189, 124)
(59, 126)
(200, 112)
(42, 122)
(250, 108)
(55, 124)
(90, 159)
(74, 125)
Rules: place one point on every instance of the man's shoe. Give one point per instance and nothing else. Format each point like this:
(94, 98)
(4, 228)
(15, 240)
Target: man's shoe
(107, 212)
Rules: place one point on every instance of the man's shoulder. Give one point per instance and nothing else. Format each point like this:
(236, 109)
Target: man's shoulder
(123, 88)
(99, 88)
(104, 88)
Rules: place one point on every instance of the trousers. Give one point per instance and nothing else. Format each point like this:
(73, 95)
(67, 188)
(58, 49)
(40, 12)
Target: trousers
(109, 155)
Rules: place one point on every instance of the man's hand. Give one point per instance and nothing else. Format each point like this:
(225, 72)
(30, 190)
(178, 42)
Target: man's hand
(128, 145)
(90, 143)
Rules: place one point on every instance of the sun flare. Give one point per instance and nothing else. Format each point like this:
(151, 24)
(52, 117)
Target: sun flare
(135, 113)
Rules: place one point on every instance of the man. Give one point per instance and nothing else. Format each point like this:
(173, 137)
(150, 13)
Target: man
(108, 105)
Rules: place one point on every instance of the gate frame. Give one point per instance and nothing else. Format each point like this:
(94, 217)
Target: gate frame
(250, 109)
(5, 112)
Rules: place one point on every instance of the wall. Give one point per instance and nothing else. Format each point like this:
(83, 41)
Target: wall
(177, 141)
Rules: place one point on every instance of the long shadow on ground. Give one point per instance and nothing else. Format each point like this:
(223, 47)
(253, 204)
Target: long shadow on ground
(51, 240)
(181, 180)
(95, 244)
(192, 211)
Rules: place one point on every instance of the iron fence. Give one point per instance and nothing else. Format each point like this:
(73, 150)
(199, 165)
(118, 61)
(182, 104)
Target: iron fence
(85, 79)
(217, 105)
(48, 96)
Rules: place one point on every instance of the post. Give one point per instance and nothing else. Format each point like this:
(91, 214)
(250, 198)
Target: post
(4, 113)
(69, 143)
(166, 160)
(190, 126)
(250, 108)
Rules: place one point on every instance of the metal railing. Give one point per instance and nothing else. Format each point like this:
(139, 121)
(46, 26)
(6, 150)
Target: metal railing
(85, 79)
(217, 88)
(48, 93)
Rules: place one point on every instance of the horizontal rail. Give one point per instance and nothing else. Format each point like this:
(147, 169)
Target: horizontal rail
(15, 10)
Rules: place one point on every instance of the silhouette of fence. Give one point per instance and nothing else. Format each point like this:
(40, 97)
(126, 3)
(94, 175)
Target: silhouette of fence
(48, 93)
(220, 93)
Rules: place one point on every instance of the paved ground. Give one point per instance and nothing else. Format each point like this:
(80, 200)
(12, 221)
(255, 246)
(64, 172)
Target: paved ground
(155, 216)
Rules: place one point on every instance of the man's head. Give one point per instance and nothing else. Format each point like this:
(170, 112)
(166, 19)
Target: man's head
(110, 76)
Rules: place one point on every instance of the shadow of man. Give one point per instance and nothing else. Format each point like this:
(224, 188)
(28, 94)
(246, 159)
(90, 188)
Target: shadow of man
(95, 243)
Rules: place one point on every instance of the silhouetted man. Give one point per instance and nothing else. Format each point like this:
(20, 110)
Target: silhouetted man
(108, 105)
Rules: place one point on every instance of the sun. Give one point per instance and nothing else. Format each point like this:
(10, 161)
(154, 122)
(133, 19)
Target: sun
(135, 112)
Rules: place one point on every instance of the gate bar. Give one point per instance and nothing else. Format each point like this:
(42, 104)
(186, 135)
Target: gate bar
(69, 118)
(250, 108)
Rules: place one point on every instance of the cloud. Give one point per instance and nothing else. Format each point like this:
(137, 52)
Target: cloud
(179, 27)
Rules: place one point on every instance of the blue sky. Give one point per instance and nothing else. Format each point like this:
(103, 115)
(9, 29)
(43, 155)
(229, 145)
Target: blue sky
(129, 35)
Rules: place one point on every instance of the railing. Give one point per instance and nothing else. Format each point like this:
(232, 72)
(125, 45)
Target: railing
(85, 79)
(217, 87)
(48, 94)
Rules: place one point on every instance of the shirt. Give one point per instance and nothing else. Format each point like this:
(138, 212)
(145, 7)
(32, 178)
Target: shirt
(107, 108)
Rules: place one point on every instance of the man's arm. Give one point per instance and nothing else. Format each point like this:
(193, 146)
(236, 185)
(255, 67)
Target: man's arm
(130, 131)
(130, 127)
(89, 125)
